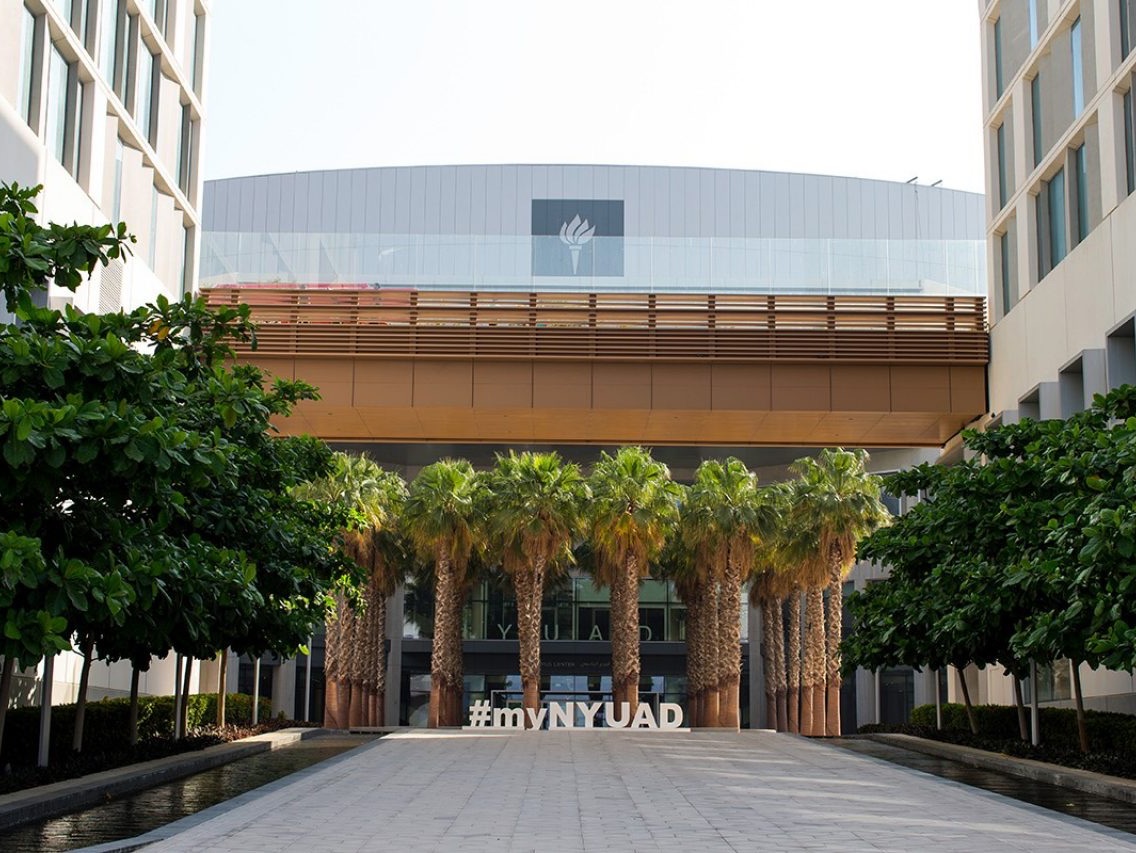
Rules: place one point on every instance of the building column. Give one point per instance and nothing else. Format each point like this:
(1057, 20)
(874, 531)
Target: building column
(395, 623)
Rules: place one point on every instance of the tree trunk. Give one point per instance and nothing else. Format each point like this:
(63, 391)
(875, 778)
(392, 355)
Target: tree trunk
(625, 634)
(812, 687)
(778, 654)
(970, 718)
(442, 665)
(135, 674)
(222, 677)
(692, 596)
(331, 704)
(5, 693)
(793, 666)
(833, 635)
(730, 644)
(1023, 726)
(357, 666)
(711, 697)
(1082, 726)
(379, 622)
(185, 697)
(768, 656)
(331, 666)
(81, 700)
(528, 583)
(456, 715)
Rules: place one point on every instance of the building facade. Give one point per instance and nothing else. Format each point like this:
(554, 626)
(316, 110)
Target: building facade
(101, 104)
(649, 233)
(1061, 169)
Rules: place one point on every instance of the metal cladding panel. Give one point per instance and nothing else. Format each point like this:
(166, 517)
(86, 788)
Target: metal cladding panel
(659, 202)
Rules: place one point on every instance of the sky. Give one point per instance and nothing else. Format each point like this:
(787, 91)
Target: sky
(884, 89)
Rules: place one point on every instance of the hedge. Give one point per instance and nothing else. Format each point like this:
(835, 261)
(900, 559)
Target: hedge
(1108, 732)
(107, 725)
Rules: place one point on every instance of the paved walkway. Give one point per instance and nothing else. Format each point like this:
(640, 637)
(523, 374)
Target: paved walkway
(581, 791)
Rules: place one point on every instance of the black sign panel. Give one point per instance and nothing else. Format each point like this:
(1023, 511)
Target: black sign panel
(577, 237)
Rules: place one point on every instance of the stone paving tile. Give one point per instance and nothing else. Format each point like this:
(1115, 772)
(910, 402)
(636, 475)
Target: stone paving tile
(579, 792)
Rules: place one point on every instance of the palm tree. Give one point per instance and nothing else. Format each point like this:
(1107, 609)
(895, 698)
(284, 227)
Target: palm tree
(728, 516)
(535, 512)
(694, 570)
(634, 506)
(769, 588)
(353, 670)
(440, 519)
(837, 502)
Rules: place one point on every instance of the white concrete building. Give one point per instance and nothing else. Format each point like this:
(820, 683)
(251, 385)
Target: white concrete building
(1060, 135)
(101, 103)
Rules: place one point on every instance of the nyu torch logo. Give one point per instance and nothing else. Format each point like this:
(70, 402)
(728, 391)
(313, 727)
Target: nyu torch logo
(575, 235)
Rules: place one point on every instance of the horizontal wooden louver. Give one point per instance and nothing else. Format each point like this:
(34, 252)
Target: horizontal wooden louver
(615, 326)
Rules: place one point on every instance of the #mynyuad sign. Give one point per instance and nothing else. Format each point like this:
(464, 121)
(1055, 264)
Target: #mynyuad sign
(563, 715)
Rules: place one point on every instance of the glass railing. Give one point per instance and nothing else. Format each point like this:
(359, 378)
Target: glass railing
(630, 264)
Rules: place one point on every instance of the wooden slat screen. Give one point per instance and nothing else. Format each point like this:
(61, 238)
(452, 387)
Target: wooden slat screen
(615, 326)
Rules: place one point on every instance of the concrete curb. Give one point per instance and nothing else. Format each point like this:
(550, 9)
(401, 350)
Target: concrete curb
(75, 794)
(1087, 781)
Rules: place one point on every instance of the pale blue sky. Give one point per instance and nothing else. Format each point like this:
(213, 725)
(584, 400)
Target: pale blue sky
(868, 88)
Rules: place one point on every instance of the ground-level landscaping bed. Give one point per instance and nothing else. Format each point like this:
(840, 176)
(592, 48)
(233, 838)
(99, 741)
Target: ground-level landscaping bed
(1112, 737)
(106, 741)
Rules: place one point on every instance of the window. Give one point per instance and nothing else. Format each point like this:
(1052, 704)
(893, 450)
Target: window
(108, 38)
(116, 202)
(999, 81)
(1129, 142)
(1078, 68)
(185, 149)
(1033, 23)
(27, 65)
(1080, 164)
(198, 50)
(144, 108)
(1051, 245)
(1035, 117)
(1126, 20)
(1003, 189)
(1006, 272)
(55, 134)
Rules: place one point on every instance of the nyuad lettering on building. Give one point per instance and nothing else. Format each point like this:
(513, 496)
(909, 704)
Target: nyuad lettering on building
(577, 715)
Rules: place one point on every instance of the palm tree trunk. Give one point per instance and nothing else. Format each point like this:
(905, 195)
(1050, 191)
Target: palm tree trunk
(778, 666)
(528, 583)
(458, 594)
(695, 651)
(970, 718)
(625, 634)
(1023, 726)
(222, 677)
(812, 689)
(768, 656)
(793, 666)
(711, 697)
(443, 665)
(5, 693)
(730, 645)
(834, 634)
(1078, 696)
(358, 667)
(331, 666)
(135, 673)
(379, 615)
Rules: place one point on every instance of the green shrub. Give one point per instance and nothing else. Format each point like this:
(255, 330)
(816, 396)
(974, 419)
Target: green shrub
(1108, 732)
(107, 725)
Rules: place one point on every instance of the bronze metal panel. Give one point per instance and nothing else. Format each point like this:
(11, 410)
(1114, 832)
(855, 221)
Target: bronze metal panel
(968, 389)
(621, 386)
(384, 383)
(443, 383)
(922, 388)
(744, 387)
(680, 386)
(861, 388)
(502, 384)
(801, 387)
(562, 384)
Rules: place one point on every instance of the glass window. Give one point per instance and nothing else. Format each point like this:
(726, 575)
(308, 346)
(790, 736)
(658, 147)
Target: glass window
(1129, 142)
(1081, 165)
(55, 133)
(1078, 68)
(27, 65)
(116, 202)
(1003, 189)
(144, 107)
(999, 82)
(108, 38)
(1033, 23)
(1035, 117)
(1055, 204)
(198, 49)
(185, 148)
(65, 9)
(1126, 20)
